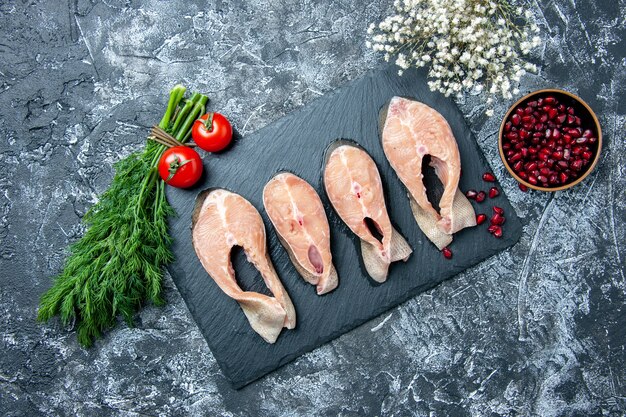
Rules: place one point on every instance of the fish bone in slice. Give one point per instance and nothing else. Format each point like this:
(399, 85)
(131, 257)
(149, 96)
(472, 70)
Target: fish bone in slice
(221, 220)
(410, 131)
(297, 213)
(355, 190)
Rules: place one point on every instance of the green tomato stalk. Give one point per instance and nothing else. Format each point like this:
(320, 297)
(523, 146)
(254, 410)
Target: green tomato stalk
(117, 266)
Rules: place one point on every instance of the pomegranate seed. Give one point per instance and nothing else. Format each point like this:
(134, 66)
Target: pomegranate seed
(593, 140)
(512, 135)
(563, 177)
(582, 141)
(489, 177)
(556, 133)
(517, 166)
(493, 192)
(447, 253)
(548, 133)
(498, 210)
(480, 218)
(562, 164)
(570, 119)
(577, 121)
(516, 119)
(532, 104)
(496, 231)
(567, 138)
(530, 166)
(557, 154)
(523, 175)
(543, 118)
(532, 179)
(540, 102)
(507, 127)
(471, 194)
(523, 133)
(480, 197)
(549, 100)
(570, 110)
(575, 133)
(561, 118)
(587, 155)
(545, 171)
(587, 134)
(528, 110)
(577, 165)
(497, 219)
(553, 179)
(542, 178)
(523, 187)
(552, 113)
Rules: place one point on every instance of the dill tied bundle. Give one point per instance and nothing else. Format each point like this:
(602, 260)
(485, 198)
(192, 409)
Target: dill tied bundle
(118, 263)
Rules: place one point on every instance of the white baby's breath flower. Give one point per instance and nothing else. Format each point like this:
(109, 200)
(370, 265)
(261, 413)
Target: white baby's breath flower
(470, 45)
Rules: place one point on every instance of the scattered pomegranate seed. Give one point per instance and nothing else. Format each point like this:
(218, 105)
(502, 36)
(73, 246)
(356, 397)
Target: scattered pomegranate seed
(498, 210)
(489, 177)
(495, 230)
(480, 218)
(523, 187)
(447, 253)
(493, 192)
(497, 219)
(480, 197)
(471, 194)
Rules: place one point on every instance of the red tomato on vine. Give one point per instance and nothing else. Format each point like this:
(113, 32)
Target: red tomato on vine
(212, 132)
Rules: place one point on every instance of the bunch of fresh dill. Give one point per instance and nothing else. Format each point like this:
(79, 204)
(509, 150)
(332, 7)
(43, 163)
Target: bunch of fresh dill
(118, 263)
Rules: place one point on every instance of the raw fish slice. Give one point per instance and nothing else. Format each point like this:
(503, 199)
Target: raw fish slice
(411, 131)
(354, 188)
(221, 220)
(298, 215)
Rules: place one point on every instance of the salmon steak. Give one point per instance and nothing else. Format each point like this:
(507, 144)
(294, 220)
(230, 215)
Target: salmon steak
(410, 131)
(298, 216)
(355, 190)
(221, 220)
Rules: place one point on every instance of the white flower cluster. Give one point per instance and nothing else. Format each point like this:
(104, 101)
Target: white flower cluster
(471, 45)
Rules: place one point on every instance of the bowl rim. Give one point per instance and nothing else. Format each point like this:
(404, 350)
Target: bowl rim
(595, 159)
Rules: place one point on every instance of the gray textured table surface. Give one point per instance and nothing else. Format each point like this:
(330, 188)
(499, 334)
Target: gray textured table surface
(537, 330)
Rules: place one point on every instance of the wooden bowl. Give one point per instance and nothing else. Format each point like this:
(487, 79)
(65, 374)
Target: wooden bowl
(588, 118)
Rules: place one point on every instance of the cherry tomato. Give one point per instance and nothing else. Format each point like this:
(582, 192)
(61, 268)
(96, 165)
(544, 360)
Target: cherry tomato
(180, 166)
(212, 132)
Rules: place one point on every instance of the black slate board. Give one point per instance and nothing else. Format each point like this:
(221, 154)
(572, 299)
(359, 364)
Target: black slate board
(296, 143)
